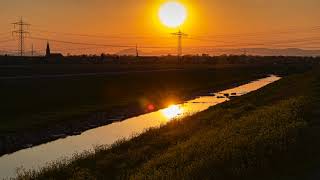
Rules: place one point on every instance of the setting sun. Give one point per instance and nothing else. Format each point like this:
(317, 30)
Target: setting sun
(159, 89)
(172, 14)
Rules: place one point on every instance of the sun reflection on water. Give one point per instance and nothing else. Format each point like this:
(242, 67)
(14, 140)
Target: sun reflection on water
(172, 112)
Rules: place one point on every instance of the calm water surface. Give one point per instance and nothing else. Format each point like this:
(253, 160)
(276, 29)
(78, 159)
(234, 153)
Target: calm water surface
(39, 156)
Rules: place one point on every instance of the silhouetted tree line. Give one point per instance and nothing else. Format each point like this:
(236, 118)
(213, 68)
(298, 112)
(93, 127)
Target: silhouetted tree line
(188, 59)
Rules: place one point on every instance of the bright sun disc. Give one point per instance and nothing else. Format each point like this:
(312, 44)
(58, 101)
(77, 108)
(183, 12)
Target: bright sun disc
(172, 14)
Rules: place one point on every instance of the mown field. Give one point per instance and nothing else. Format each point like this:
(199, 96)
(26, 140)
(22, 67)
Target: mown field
(268, 134)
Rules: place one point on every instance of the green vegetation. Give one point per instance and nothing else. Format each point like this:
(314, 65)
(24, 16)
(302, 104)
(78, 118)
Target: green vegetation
(268, 134)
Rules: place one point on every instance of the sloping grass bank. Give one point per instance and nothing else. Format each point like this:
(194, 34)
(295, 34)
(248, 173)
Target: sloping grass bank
(267, 134)
(36, 104)
(34, 111)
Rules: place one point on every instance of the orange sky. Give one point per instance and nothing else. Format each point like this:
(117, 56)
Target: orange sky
(210, 23)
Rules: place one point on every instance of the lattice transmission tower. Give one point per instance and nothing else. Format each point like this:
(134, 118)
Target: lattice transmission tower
(20, 31)
(180, 35)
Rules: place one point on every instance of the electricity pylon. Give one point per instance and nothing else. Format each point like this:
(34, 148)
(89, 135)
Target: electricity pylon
(180, 35)
(137, 52)
(21, 32)
(32, 50)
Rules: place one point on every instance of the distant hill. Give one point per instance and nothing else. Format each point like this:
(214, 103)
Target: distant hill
(270, 52)
(248, 51)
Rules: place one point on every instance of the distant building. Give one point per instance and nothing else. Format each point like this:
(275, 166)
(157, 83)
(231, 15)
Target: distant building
(52, 55)
(52, 58)
(48, 50)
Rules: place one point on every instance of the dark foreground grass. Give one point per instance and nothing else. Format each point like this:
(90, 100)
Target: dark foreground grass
(267, 134)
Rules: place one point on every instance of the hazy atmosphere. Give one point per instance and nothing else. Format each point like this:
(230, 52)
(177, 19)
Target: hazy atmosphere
(211, 24)
(159, 89)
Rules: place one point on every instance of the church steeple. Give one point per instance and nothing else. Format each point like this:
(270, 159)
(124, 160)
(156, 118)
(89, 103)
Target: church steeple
(48, 50)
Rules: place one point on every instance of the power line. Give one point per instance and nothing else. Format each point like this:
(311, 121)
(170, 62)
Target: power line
(137, 52)
(5, 33)
(80, 43)
(32, 50)
(303, 40)
(291, 30)
(275, 32)
(98, 36)
(180, 35)
(7, 40)
(6, 36)
(261, 43)
(207, 38)
(95, 44)
(21, 33)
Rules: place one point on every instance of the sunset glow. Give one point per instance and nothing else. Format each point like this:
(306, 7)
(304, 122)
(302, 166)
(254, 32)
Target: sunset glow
(159, 89)
(111, 27)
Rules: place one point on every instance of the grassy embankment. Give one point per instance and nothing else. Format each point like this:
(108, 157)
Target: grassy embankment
(38, 110)
(268, 134)
(29, 105)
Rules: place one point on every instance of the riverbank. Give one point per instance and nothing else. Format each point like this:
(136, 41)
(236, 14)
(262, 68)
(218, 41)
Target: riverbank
(114, 114)
(36, 111)
(267, 134)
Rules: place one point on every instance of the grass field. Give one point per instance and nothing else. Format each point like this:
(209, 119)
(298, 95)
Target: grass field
(39, 103)
(267, 134)
(31, 104)
(35, 109)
